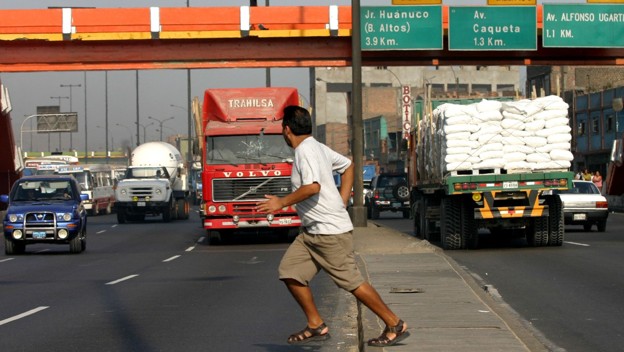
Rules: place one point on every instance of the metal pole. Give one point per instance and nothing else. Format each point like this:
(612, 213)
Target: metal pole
(106, 114)
(85, 116)
(71, 109)
(359, 212)
(137, 109)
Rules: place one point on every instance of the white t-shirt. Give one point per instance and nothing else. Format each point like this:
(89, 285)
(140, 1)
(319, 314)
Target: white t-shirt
(325, 212)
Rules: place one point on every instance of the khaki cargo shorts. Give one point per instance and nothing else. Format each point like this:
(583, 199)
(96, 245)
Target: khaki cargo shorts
(310, 253)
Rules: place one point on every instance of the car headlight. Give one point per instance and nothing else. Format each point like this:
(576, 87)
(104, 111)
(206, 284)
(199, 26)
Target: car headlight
(16, 217)
(17, 234)
(62, 234)
(64, 216)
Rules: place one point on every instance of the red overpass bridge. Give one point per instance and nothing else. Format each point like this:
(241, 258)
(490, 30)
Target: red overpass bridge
(66, 39)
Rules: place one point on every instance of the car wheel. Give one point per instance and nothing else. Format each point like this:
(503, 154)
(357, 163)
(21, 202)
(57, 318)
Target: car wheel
(75, 245)
(401, 192)
(374, 212)
(11, 247)
(602, 225)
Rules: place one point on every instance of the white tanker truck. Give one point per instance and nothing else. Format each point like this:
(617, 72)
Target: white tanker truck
(155, 184)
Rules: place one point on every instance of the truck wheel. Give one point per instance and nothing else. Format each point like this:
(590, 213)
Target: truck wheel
(556, 227)
(121, 217)
(214, 237)
(182, 209)
(450, 223)
(11, 247)
(537, 233)
(470, 231)
(166, 214)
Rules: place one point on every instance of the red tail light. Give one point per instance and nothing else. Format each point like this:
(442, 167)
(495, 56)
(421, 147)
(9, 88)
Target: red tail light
(602, 205)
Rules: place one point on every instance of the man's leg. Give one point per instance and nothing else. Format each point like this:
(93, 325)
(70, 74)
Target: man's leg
(303, 296)
(367, 294)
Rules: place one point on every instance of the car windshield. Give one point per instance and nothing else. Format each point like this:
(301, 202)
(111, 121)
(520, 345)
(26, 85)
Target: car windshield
(43, 190)
(582, 188)
(247, 149)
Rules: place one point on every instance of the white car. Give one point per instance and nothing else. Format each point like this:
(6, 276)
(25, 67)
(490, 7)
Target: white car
(584, 205)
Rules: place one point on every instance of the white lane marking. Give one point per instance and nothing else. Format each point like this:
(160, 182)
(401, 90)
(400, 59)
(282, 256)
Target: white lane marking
(190, 249)
(6, 260)
(577, 244)
(114, 226)
(122, 279)
(201, 239)
(172, 258)
(23, 315)
(101, 231)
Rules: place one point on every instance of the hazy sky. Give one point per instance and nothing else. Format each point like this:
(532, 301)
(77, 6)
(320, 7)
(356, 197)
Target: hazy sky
(158, 89)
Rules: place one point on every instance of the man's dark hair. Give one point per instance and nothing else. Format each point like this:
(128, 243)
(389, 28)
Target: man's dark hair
(298, 120)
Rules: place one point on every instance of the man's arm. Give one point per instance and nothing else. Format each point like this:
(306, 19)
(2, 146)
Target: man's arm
(346, 184)
(274, 203)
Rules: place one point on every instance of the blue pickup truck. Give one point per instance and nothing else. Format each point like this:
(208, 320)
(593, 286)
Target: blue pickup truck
(45, 209)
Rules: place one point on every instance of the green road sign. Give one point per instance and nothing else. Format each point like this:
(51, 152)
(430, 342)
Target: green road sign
(401, 27)
(492, 28)
(583, 26)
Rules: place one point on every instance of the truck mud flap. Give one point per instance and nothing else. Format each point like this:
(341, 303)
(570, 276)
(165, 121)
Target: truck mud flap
(531, 207)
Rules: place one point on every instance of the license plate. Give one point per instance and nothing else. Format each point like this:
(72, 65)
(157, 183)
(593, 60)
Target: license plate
(285, 221)
(580, 217)
(396, 205)
(510, 184)
(39, 234)
(140, 204)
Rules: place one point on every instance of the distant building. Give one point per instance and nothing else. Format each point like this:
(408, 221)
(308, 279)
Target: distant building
(382, 104)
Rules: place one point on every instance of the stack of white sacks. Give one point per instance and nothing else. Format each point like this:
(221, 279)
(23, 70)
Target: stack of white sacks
(518, 136)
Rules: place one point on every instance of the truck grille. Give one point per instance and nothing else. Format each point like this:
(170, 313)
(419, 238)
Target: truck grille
(249, 189)
(141, 192)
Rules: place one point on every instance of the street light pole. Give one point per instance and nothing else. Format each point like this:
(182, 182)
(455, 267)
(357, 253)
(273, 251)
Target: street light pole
(161, 124)
(144, 131)
(71, 133)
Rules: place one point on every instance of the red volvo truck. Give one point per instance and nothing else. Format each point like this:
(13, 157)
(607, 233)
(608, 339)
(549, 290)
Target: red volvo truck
(245, 157)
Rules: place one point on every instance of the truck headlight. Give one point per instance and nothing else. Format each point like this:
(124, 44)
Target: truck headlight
(123, 191)
(62, 234)
(222, 208)
(17, 234)
(212, 208)
(158, 191)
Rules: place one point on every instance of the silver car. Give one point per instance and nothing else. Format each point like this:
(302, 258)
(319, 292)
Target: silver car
(584, 205)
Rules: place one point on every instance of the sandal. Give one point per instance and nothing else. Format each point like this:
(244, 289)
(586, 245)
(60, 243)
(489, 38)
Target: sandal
(308, 334)
(400, 331)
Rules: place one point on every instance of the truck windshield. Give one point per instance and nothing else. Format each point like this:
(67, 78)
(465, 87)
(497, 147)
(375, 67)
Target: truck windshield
(247, 149)
(147, 172)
